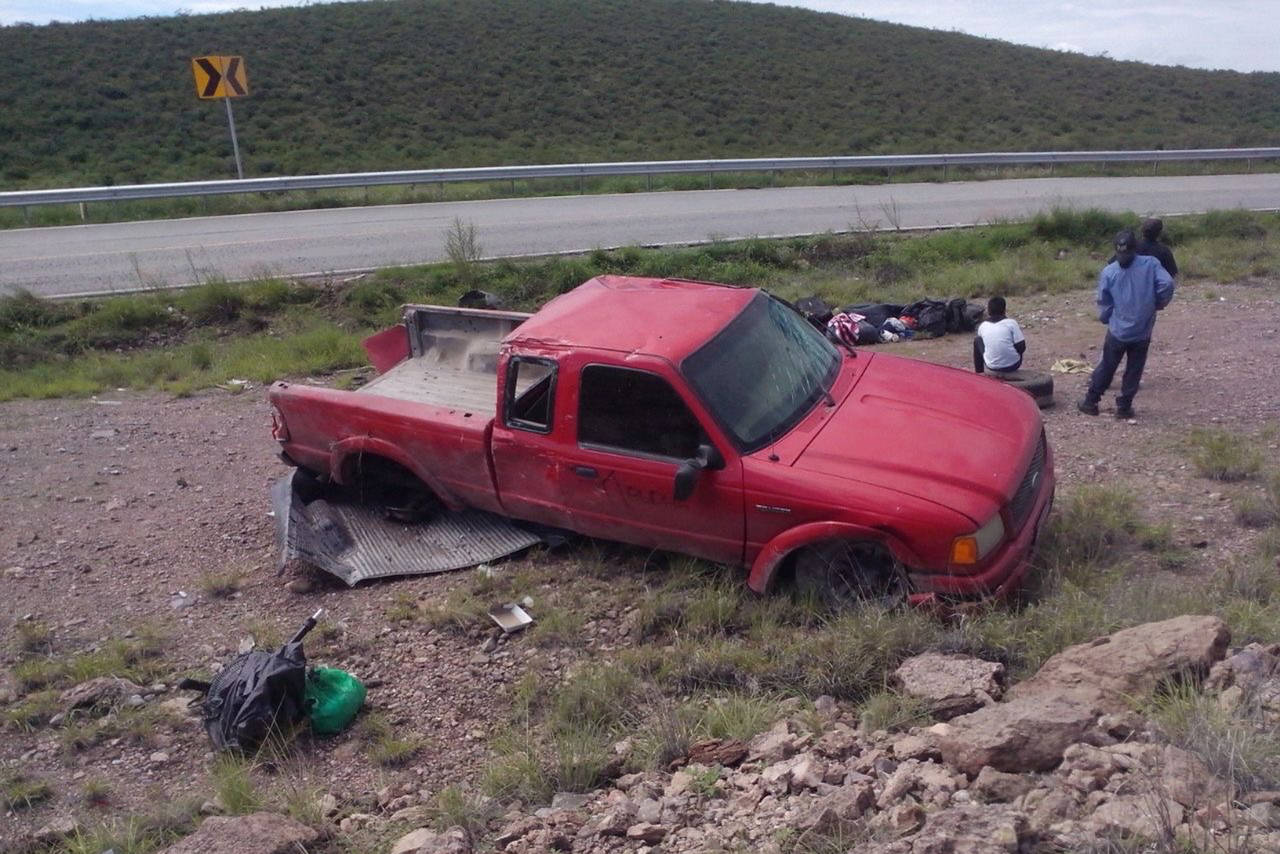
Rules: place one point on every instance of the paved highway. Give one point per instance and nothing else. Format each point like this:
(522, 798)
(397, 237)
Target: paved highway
(92, 259)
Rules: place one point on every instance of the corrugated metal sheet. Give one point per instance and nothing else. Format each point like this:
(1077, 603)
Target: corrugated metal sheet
(356, 543)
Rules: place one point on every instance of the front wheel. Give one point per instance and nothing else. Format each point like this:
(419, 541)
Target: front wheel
(845, 572)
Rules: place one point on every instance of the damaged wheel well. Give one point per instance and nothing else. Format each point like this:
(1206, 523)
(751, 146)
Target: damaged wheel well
(378, 480)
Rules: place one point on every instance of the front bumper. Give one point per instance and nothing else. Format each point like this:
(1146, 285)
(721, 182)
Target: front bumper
(1007, 570)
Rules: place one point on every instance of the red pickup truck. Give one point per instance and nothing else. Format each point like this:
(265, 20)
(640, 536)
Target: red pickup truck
(698, 418)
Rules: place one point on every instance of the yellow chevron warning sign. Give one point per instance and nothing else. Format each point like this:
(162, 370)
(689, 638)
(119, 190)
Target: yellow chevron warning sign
(220, 76)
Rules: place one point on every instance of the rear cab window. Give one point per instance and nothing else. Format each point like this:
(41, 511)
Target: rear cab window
(529, 395)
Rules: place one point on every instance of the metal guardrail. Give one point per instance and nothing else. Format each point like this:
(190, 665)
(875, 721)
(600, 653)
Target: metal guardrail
(586, 170)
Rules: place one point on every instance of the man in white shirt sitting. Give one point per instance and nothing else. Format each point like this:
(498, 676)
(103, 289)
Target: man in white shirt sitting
(999, 344)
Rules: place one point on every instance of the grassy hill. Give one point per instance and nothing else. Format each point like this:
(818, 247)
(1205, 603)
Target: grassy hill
(430, 83)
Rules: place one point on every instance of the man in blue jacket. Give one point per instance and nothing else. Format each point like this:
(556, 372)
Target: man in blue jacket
(1131, 289)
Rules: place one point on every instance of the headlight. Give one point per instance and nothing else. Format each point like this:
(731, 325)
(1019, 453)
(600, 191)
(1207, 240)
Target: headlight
(974, 547)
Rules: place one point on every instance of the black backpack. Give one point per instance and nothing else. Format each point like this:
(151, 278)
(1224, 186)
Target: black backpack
(930, 315)
(258, 693)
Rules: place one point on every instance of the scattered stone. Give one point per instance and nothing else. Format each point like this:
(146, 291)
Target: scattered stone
(56, 831)
(569, 801)
(300, 585)
(647, 832)
(902, 819)
(972, 829)
(427, 841)
(1187, 780)
(1146, 816)
(773, 745)
(992, 786)
(158, 758)
(99, 691)
(257, 833)
(717, 752)
(951, 684)
(327, 805)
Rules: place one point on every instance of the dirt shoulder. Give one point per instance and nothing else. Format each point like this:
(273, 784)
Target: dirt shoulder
(115, 507)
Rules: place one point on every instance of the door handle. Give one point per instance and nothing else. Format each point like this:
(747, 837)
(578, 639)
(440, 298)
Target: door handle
(585, 471)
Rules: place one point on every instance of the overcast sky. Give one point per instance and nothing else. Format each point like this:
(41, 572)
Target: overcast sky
(1240, 34)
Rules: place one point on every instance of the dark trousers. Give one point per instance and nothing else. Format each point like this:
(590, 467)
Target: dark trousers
(1135, 359)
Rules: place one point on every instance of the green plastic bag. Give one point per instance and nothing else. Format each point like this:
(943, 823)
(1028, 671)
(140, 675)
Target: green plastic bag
(333, 698)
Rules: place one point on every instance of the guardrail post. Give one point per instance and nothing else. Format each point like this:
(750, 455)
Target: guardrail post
(944, 172)
(710, 179)
(1155, 166)
(1248, 166)
(579, 184)
(648, 182)
(26, 215)
(82, 216)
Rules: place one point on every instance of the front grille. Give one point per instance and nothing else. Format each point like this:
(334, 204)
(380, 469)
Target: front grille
(1025, 498)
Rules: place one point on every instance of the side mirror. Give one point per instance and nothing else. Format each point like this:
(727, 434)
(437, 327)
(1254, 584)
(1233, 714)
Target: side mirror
(687, 472)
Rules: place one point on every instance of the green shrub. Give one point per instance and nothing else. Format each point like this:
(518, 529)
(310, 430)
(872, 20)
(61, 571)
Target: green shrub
(19, 791)
(1236, 224)
(890, 710)
(1088, 530)
(1235, 744)
(1088, 226)
(213, 302)
(1224, 455)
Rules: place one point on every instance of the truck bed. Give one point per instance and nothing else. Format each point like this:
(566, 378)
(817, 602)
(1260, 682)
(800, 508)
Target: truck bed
(453, 358)
(420, 380)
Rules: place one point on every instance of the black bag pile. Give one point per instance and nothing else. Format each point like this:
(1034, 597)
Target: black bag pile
(257, 694)
(926, 318)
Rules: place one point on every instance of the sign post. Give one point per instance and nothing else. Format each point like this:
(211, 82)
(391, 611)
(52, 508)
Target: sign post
(222, 77)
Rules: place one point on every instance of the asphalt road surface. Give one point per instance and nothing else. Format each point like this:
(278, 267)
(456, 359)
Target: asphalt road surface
(94, 259)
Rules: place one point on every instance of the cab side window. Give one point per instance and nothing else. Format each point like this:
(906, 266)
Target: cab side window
(530, 394)
(634, 412)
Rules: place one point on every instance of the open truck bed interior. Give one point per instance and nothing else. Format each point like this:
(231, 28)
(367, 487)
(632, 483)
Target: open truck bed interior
(453, 358)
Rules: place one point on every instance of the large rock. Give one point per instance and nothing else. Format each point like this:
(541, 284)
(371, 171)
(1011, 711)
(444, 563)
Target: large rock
(1028, 733)
(1111, 672)
(258, 833)
(1054, 708)
(951, 684)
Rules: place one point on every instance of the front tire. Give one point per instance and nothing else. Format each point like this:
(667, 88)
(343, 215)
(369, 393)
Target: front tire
(846, 572)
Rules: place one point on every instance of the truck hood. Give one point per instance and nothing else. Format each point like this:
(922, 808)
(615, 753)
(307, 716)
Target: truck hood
(936, 433)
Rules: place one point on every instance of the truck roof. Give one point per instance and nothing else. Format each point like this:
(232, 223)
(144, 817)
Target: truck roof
(669, 318)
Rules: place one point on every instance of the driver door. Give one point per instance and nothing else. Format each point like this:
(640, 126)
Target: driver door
(617, 478)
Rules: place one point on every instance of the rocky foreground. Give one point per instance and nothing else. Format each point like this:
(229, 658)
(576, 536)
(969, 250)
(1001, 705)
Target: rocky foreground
(1062, 761)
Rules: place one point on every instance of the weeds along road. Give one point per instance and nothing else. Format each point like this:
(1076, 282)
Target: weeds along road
(92, 259)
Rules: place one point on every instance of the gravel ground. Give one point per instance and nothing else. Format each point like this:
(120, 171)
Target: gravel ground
(112, 508)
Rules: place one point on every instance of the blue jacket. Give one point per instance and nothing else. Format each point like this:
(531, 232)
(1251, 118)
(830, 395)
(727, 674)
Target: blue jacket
(1128, 298)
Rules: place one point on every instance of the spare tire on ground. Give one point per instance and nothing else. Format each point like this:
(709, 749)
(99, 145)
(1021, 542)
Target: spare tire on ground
(1038, 384)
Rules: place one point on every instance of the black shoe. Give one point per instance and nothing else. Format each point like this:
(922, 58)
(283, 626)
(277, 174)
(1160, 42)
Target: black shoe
(1124, 414)
(1087, 408)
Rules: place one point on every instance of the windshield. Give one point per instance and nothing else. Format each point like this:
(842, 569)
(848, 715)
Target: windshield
(762, 372)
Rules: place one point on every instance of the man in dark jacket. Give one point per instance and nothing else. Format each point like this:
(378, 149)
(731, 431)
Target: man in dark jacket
(1131, 289)
(1150, 245)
